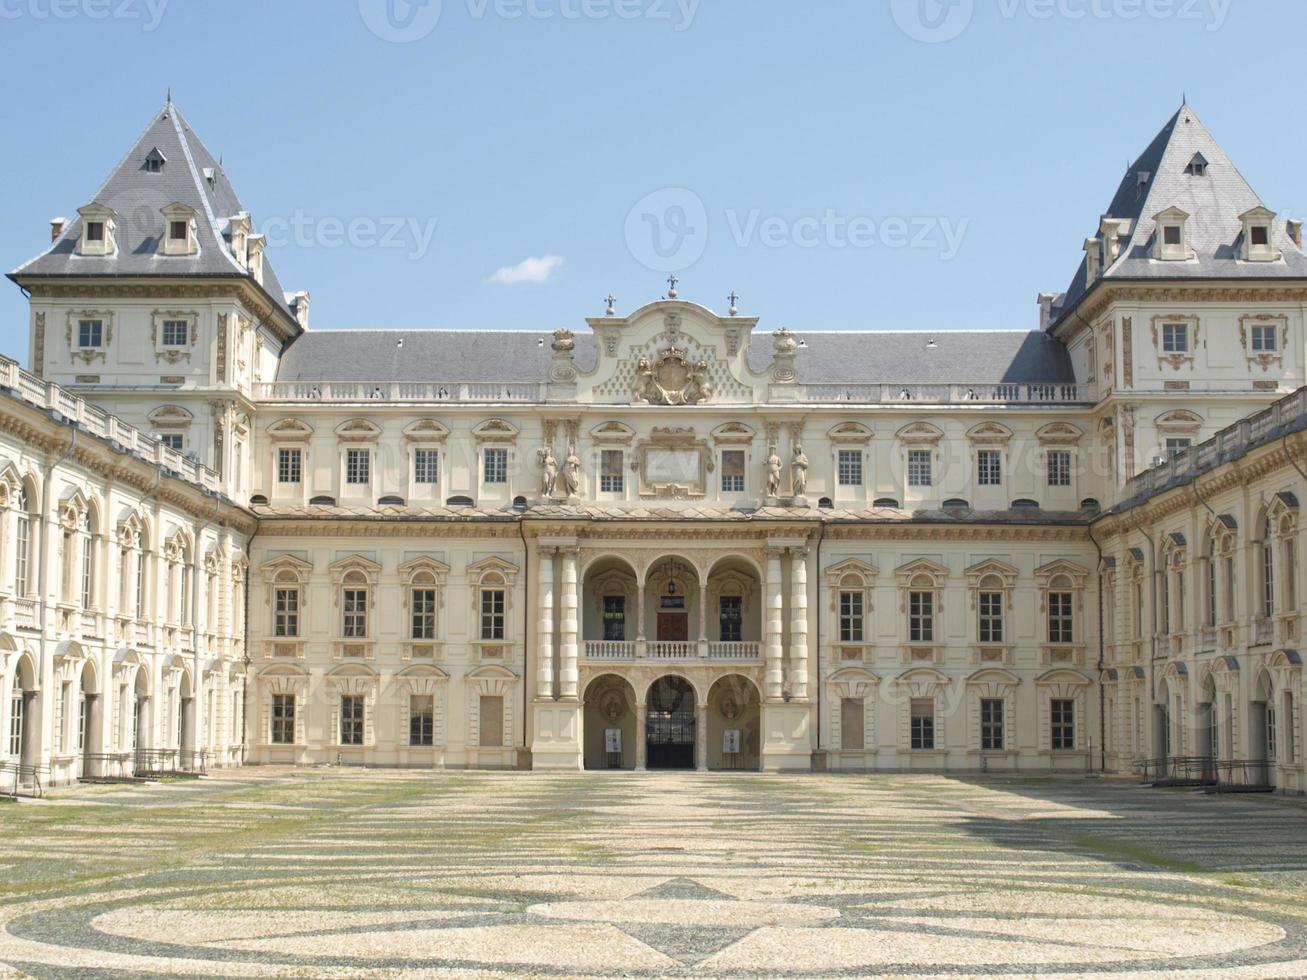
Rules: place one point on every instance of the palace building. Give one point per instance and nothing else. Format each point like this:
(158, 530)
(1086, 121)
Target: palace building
(669, 538)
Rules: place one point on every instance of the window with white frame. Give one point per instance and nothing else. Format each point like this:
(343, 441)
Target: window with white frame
(283, 719)
(175, 333)
(992, 735)
(88, 531)
(286, 606)
(358, 467)
(989, 467)
(919, 467)
(852, 617)
(492, 613)
(1062, 716)
(1059, 467)
(990, 605)
(22, 545)
(426, 467)
(1264, 339)
(354, 607)
(922, 724)
(921, 617)
(351, 719)
(1175, 338)
(90, 334)
(173, 440)
(496, 465)
(421, 720)
(850, 468)
(290, 465)
(1175, 445)
(424, 612)
(612, 471)
(1267, 554)
(1061, 617)
(733, 471)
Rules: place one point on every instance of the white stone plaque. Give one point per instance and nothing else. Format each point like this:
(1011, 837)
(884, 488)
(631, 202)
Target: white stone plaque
(679, 466)
(731, 741)
(613, 740)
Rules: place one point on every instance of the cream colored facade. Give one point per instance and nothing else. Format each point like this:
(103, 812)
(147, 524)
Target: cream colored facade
(672, 539)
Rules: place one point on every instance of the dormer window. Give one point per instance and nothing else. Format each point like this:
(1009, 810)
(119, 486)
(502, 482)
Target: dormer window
(155, 161)
(1171, 243)
(97, 230)
(179, 221)
(1197, 166)
(1258, 237)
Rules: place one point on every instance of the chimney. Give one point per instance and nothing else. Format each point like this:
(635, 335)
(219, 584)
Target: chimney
(1295, 230)
(299, 305)
(1094, 260)
(57, 228)
(1046, 301)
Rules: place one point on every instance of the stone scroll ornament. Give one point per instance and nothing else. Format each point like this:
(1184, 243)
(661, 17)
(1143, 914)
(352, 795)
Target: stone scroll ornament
(673, 379)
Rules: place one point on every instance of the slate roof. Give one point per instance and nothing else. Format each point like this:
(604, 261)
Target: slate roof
(1214, 202)
(137, 196)
(958, 357)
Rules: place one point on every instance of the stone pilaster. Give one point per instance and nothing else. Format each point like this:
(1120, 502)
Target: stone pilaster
(545, 628)
(799, 624)
(569, 629)
(775, 649)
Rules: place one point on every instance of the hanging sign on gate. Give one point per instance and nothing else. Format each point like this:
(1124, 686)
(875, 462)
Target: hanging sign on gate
(613, 740)
(731, 741)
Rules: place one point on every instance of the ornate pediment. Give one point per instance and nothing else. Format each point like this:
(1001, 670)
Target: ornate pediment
(672, 379)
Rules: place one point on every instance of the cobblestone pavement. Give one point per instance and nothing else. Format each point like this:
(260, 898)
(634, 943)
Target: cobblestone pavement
(276, 872)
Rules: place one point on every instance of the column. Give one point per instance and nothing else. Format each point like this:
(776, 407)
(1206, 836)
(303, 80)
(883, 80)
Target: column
(545, 628)
(640, 641)
(703, 619)
(568, 650)
(799, 623)
(701, 738)
(641, 736)
(775, 680)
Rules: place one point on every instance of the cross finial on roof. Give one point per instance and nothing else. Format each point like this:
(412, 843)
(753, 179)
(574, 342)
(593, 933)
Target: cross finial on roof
(672, 281)
(735, 299)
(612, 301)
(167, 101)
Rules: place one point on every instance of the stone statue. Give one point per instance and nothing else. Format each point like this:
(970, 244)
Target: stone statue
(644, 381)
(549, 477)
(799, 471)
(572, 472)
(773, 475)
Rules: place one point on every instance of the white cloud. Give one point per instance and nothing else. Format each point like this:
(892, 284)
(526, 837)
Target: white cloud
(529, 270)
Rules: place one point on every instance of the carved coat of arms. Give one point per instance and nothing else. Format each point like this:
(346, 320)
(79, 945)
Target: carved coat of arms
(672, 380)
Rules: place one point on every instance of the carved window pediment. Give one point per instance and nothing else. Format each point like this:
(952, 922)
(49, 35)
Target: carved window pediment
(612, 434)
(290, 430)
(358, 430)
(426, 430)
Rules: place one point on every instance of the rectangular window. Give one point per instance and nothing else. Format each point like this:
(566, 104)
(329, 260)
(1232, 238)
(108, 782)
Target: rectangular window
(496, 466)
(851, 622)
(290, 465)
(358, 467)
(923, 724)
(424, 614)
(179, 231)
(921, 617)
(1061, 620)
(355, 623)
(1175, 337)
(733, 471)
(853, 713)
(173, 440)
(1290, 731)
(850, 467)
(491, 729)
(1063, 716)
(421, 720)
(140, 585)
(1171, 235)
(492, 614)
(1261, 235)
(90, 334)
(991, 725)
(22, 545)
(730, 616)
(919, 468)
(351, 719)
(991, 617)
(1265, 340)
(88, 571)
(95, 231)
(283, 719)
(286, 615)
(1059, 468)
(989, 468)
(176, 333)
(1174, 447)
(612, 477)
(426, 467)
(615, 618)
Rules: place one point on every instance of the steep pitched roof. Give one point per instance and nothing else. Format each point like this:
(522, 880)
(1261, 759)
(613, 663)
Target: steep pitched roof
(1159, 180)
(191, 176)
(900, 357)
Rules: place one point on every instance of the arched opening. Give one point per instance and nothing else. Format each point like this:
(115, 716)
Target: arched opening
(734, 725)
(88, 721)
(733, 619)
(610, 723)
(610, 620)
(1209, 729)
(670, 724)
(140, 727)
(673, 605)
(22, 715)
(186, 722)
(1262, 730)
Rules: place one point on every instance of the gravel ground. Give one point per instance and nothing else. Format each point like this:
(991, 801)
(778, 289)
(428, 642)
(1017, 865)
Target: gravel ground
(306, 873)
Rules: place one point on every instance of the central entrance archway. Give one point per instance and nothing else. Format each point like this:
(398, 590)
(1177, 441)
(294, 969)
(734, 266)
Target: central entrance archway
(670, 724)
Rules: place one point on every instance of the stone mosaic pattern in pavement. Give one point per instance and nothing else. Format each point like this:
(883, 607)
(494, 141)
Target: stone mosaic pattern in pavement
(304, 873)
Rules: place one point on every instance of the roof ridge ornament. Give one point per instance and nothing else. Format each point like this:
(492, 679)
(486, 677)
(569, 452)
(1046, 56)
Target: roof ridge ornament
(672, 282)
(734, 300)
(612, 305)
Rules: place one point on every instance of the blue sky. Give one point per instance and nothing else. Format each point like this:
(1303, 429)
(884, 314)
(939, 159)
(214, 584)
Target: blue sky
(842, 165)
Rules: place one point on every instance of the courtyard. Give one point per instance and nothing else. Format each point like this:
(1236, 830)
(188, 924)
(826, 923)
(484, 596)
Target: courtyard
(278, 872)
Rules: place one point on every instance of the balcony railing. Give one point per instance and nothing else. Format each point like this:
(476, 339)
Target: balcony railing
(734, 651)
(609, 650)
(454, 393)
(977, 394)
(618, 651)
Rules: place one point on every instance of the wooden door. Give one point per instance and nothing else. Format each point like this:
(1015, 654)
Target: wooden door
(673, 627)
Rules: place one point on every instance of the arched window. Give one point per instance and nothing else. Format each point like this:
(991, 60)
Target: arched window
(23, 544)
(90, 528)
(286, 605)
(354, 606)
(1210, 606)
(1267, 552)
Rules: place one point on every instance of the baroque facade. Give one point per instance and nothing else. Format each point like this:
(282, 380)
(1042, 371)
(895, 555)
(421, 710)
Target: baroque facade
(670, 539)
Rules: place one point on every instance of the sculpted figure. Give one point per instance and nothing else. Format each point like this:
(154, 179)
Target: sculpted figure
(572, 472)
(773, 475)
(799, 471)
(549, 476)
(644, 380)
